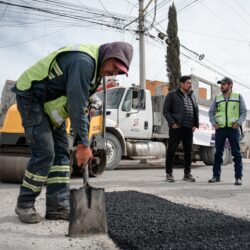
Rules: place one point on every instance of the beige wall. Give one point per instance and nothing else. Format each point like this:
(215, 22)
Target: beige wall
(157, 87)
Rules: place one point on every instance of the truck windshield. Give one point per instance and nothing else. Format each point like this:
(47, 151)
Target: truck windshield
(114, 97)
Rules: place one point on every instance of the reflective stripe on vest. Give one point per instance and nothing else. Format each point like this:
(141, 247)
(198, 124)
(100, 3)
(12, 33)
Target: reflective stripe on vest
(57, 110)
(227, 112)
(42, 69)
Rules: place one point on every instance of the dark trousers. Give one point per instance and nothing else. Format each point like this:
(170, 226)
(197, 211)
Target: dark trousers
(49, 162)
(233, 136)
(175, 137)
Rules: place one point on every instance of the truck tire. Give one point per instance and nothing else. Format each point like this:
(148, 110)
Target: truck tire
(230, 158)
(114, 151)
(227, 156)
(75, 171)
(207, 156)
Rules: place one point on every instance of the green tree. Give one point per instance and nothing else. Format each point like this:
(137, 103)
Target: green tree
(173, 49)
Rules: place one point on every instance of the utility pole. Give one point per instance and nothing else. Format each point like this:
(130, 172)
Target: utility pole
(142, 53)
(142, 45)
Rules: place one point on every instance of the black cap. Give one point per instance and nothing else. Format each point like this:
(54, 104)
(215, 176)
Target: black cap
(225, 80)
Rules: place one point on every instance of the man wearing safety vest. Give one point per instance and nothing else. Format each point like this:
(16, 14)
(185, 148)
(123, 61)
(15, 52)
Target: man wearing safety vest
(55, 88)
(227, 112)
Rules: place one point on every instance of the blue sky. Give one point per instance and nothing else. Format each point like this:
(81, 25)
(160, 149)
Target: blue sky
(219, 29)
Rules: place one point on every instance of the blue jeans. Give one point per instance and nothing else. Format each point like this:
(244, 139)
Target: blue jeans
(49, 162)
(233, 136)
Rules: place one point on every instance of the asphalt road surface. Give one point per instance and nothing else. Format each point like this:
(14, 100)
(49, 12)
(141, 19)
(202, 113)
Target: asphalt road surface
(145, 212)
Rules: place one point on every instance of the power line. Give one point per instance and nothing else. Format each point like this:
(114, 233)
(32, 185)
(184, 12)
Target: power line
(103, 6)
(71, 12)
(236, 13)
(216, 37)
(66, 10)
(243, 9)
(33, 39)
(152, 24)
(178, 10)
(117, 20)
(232, 28)
(188, 5)
(3, 12)
(134, 5)
(215, 71)
(209, 67)
(159, 6)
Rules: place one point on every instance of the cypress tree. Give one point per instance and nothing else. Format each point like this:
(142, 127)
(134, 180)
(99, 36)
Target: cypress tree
(173, 49)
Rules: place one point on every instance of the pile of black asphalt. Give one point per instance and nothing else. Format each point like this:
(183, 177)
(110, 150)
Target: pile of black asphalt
(143, 221)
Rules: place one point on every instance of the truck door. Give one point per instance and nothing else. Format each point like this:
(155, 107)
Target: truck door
(134, 115)
(114, 98)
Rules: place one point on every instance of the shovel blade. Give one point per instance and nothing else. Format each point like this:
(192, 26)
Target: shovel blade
(87, 212)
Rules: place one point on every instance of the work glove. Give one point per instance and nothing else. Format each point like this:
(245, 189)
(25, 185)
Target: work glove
(83, 155)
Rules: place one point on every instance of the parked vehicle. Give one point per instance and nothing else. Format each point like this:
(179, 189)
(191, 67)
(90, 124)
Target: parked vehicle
(14, 149)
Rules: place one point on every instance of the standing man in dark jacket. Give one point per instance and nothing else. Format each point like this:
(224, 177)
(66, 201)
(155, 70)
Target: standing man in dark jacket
(55, 88)
(182, 114)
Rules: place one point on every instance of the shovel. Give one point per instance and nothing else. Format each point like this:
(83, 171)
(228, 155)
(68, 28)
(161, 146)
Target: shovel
(87, 210)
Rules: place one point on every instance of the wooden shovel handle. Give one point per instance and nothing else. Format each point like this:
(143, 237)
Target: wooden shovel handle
(85, 175)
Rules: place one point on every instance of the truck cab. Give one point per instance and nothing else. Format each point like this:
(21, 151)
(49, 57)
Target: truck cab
(130, 110)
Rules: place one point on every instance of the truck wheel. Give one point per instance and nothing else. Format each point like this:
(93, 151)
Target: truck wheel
(207, 155)
(230, 158)
(75, 171)
(227, 157)
(114, 151)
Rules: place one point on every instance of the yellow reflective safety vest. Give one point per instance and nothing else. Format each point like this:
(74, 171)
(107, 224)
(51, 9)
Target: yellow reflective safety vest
(227, 112)
(56, 109)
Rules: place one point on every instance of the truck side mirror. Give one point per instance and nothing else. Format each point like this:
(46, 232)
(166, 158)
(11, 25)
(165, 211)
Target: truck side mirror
(141, 99)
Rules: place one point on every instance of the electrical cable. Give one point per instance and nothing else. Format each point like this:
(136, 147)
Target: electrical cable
(231, 27)
(3, 12)
(236, 13)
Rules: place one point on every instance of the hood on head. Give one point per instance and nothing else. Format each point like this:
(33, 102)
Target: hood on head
(119, 50)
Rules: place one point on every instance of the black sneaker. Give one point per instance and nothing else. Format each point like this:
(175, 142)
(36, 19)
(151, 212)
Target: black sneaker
(188, 177)
(28, 215)
(170, 178)
(214, 179)
(238, 182)
(62, 214)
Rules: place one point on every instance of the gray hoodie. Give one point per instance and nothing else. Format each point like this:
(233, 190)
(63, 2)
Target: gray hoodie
(119, 50)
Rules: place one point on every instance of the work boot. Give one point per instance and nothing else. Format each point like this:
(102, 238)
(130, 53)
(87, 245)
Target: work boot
(62, 214)
(188, 177)
(28, 215)
(238, 182)
(170, 178)
(214, 179)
